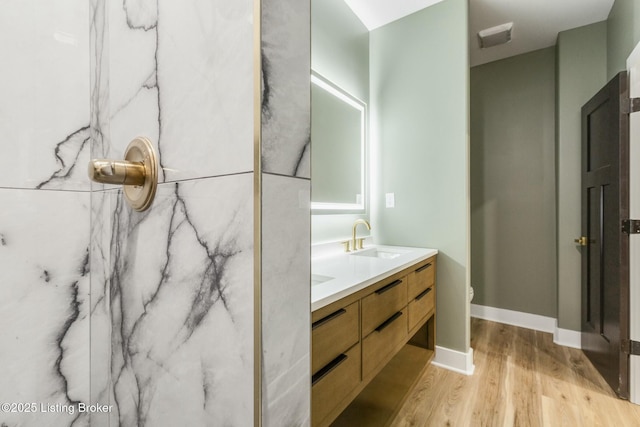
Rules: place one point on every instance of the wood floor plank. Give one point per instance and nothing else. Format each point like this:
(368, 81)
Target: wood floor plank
(555, 386)
(521, 379)
(525, 387)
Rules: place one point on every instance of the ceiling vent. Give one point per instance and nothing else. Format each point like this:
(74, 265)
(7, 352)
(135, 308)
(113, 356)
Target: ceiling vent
(495, 36)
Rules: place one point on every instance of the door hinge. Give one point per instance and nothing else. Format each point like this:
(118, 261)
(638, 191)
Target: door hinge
(631, 226)
(630, 347)
(630, 105)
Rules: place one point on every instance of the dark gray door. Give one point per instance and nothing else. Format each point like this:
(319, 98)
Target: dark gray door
(605, 254)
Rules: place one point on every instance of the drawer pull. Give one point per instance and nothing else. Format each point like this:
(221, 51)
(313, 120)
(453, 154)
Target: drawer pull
(424, 267)
(423, 293)
(328, 368)
(328, 318)
(384, 289)
(388, 321)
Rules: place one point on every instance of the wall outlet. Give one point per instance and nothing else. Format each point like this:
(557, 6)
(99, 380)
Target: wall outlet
(390, 200)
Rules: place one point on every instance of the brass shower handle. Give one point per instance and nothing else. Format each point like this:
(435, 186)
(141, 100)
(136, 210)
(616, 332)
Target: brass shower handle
(121, 172)
(138, 173)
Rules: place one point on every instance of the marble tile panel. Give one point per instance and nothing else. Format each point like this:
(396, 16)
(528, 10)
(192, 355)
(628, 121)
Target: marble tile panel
(287, 398)
(178, 286)
(286, 79)
(44, 82)
(44, 306)
(179, 73)
(286, 300)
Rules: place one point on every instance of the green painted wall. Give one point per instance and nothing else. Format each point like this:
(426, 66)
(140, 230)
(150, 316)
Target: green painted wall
(419, 121)
(339, 52)
(581, 72)
(623, 33)
(513, 236)
(340, 46)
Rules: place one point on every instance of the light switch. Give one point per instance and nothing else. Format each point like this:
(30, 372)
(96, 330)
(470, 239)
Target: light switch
(390, 200)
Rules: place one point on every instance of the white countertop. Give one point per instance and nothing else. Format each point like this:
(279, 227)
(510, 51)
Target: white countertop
(335, 276)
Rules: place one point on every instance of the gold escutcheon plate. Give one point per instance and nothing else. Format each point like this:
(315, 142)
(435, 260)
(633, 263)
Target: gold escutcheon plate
(140, 197)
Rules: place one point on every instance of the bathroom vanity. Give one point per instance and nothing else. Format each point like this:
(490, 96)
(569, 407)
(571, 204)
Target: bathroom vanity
(367, 306)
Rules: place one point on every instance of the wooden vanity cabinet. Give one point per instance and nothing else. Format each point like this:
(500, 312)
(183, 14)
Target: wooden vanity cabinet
(384, 323)
(354, 338)
(334, 333)
(334, 385)
(336, 357)
(422, 293)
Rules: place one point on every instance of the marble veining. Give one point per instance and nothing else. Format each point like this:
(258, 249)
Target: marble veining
(44, 305)
(178, 299)
(177, 73)
(286, 65)
(172, 287)
(72, 155)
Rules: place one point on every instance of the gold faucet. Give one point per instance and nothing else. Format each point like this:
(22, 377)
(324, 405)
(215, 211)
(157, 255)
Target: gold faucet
(353, 235)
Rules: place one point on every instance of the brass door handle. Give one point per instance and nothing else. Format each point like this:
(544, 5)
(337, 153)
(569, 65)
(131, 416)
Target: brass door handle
(582, 241)
(138, 173)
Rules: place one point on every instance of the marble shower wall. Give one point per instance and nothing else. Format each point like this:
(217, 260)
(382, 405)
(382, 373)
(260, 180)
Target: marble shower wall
(286, 229)
(174, 306)
(192, 92)
(44, 214)
(172, 288)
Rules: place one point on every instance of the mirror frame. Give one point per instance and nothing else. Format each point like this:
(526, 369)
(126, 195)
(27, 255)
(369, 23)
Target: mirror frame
(343, 208)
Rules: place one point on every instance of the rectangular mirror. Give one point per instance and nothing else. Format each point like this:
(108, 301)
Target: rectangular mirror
(338, 148)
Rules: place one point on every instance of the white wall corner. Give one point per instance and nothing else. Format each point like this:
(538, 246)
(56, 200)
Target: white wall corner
(567, 337)
(453, 360)
(514, 318)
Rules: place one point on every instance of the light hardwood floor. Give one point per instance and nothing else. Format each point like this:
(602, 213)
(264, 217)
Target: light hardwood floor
(521, 379)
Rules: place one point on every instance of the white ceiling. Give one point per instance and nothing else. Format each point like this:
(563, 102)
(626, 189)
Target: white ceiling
(536, 23)
(376, 13)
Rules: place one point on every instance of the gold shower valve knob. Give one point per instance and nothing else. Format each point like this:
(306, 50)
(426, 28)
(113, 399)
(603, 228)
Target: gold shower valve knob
(138, 173)
(117, 172)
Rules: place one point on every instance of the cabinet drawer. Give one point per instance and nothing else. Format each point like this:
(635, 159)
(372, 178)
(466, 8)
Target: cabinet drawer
(377, 307)
(421, 278)
(341, 376)
(333, 334)
(420, 306)
(378, 346)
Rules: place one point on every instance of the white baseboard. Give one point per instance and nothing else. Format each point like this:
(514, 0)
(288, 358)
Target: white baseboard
(634, 379)
(515, 318)
(567, 338)
(454, 360)
(564, 337)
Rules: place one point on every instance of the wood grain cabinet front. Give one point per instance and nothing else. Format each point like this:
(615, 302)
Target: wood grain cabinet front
(422, 277)
(421, 307)
(378, 347)
(333, 334)
(331, 385)
(389, 297)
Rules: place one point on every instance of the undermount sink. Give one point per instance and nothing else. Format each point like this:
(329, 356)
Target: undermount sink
(316, 279)
(379, 253)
